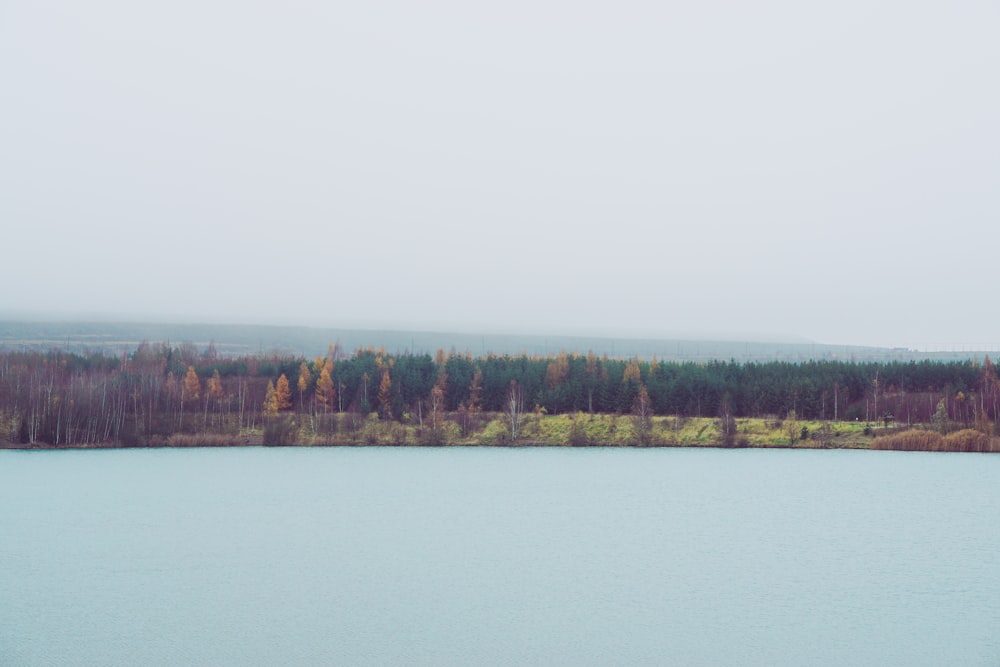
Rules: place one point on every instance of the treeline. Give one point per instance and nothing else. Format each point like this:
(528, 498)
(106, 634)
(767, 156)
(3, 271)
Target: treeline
(159, 390)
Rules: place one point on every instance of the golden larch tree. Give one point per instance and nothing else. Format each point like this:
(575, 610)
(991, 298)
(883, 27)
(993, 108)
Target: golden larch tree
(271, 400)
(283, 393)
(305, 379)
(192, 385)
(325, 392)
(215, 386)
(385, 395)
(437, 403)
(557, 371)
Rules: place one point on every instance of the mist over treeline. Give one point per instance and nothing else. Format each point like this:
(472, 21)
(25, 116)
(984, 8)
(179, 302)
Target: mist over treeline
(115, 338)
(65, 398)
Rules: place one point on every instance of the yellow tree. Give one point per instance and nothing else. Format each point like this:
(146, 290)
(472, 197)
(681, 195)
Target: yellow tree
(213, 392)
(271, 400)
(385, 395)
(325, 392)
(437, 404)
(191, 389)
(305, 379)
(283, 393)
(215, 386)
(438, 396)
(557, 371)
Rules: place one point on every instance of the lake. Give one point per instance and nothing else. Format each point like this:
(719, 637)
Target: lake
(486, 556)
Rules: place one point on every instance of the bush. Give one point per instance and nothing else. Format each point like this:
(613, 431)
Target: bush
(447, 433)
(430, 437)
(578, 436)
(280, 431)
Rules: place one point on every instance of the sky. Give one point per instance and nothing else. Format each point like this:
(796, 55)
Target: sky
(827, 171)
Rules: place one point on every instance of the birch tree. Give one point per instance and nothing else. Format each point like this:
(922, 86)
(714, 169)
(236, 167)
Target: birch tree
(514, 409)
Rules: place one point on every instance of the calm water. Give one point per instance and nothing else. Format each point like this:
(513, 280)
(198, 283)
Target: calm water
(499, 557)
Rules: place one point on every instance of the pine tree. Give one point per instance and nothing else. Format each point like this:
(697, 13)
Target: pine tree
(476, 391)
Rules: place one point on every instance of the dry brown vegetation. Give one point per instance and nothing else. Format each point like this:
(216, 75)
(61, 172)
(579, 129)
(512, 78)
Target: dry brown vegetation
(918, 440)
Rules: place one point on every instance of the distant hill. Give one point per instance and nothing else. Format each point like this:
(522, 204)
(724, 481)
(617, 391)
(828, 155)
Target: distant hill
(118, 337)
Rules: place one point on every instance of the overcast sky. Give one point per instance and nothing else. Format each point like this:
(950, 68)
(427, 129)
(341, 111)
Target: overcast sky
(823, 170)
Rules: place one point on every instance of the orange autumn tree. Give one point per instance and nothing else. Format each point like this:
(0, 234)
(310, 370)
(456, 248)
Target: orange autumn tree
(215, 385)
(271, 400)
(305, 379)
(192, 385)
(557, 371)
(213, 392)
(384, 395)
(283, 393)
(325, 392)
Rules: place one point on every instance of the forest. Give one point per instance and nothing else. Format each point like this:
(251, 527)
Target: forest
(162, 394)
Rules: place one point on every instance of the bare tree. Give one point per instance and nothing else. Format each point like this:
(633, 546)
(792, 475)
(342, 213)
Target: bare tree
(514, 409)
(642, 408)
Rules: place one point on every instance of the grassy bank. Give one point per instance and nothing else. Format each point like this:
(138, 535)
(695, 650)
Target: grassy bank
(576, 430)
(572, 430)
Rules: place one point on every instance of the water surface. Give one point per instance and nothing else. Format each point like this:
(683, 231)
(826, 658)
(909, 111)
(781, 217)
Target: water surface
(454, 556)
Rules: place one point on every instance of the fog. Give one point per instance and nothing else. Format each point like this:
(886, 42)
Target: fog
(825, 171)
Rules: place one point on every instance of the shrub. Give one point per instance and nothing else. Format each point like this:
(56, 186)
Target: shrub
(578, 436)
(280, 431)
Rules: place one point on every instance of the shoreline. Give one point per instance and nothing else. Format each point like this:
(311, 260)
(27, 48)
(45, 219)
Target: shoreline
(362, 445)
